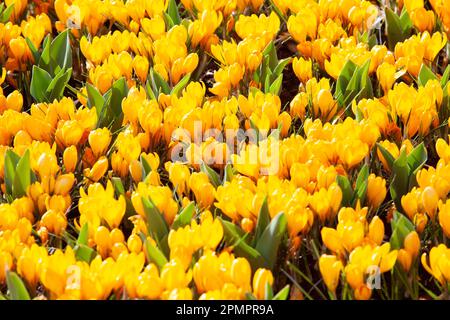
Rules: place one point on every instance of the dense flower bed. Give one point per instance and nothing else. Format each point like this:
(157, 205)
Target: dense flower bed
(224, 149)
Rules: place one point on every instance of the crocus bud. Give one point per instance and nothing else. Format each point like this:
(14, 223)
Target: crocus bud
(376, 230)
(247, 225)
(330, 268)
(405, 259)
(376, 190)
(70, 158)
(134, 243)
(64, 184)
(99, 141)
(261, 278)
(135, 170)
(412, 244)
(430, 201)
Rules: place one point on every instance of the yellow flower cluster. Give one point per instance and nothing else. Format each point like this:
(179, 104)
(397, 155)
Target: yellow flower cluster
(200, 149)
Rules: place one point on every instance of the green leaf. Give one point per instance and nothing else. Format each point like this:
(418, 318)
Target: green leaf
(417, 158)
(156, 224)
(83, 235)
(233, 235)
(281, 65)
(425, 74)
(213, 176)
(347, 191)
(401, 227)
(34, 51)
(372, 41)
(159, 85)
(386, 155)
(169, 21)
(84, 253)
(263, 220)
(6, 14)
(146, 169)
(399, 183)
(95, 99)
(268, 292)
(11, 161)
(396, 30)
(361, 183)
(149, 90)
(44, 59)
(271, 238)
(275, 87)
(181, 85)
(405, 20)
(55, 89)
(283, 294)
(343, 80)
(229, 173)
(119, 91)
(172, 10)
(270, 54)
(118, 185)
(184, 217)
(250, 296)
(445, 76)
(154, 254)
(40, 80)
(22, 177)
(16, 287)
(267, 79)
(365, 85)
(60, 53)
(111, 113)
(359, 86)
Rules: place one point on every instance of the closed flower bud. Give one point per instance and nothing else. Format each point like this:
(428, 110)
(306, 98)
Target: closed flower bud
(54, 221)
(376, 230)
(354, 276)
(326, 106)
(136, 170)
(430, 200)
(420, 221)
(405, 259)
(99, 141)
(302, 69)
(386, 76)
(253, 61)
(190, 63)
(47, 165)
(102, 239)
(14, 101)
(117, 236)
(376, 190)
(235, 74)
(134, 243)
(64, 184)
(261, 278)
(18, 47)
(330, 268)
(98, 170)
(241, 273)
(117, 249)
(43, 235)
(70, 158)
(247, 225)
(363, 293)
(412, 244)
(141, 66)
